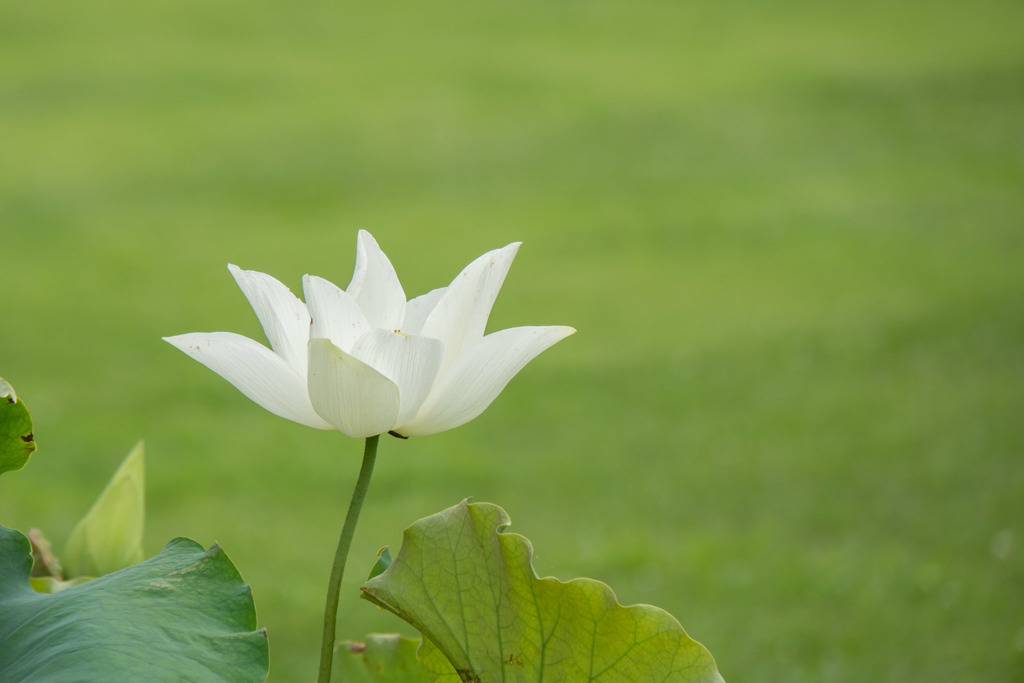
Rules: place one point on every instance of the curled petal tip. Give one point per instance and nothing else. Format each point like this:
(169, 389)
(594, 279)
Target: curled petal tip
(511, 247)
(175, 339)
(365, 237)
(237, 272)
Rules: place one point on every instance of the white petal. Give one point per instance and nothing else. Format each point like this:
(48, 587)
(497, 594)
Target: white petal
(410, 362)
(348, 393)
(375, 286)
(336, 315)
(255, 370)
(417, 310)
(460, 317)
(284, 317)
(478, 376)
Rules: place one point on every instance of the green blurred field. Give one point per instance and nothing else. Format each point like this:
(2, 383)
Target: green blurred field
(791, 236)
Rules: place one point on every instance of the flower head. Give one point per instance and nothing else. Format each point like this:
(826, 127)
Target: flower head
(364, 360)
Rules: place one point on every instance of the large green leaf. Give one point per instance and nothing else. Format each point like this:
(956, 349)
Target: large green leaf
(184, 615)
(16, 440)
(382, 658)
(109, 537)
(471, 590)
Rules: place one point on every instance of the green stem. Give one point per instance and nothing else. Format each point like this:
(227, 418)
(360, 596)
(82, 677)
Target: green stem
(344, 543)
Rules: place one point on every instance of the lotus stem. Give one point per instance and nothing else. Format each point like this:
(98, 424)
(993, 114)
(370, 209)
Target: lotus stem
(340, 555)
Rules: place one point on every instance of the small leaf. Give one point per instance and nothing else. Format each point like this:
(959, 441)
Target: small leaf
(17, 442)
(109, 537)
(384, 561)
(45, 563)
(471, 590)
(184, 615)
(383, 658)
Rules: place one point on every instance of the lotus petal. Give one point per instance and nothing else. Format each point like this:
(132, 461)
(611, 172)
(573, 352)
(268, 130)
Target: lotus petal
(350, 394)
(335, 314)
(375, 286)
(283, 316)
(460, 317)
(417, 310)
(479, 374)
(410, 362)
(255, 370)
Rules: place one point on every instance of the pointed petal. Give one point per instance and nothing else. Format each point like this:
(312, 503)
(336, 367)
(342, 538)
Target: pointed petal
(479, 375)
(348, 393)
(417, 310)
(375, 286)
(255, 370)
(284, 317)
(410, 362)
(460, 317)
(335, 314)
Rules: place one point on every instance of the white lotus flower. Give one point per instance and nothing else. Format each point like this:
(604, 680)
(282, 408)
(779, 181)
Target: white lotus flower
(364, 360)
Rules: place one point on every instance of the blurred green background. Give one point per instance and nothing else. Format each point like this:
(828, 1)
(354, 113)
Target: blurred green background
(789, 233)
